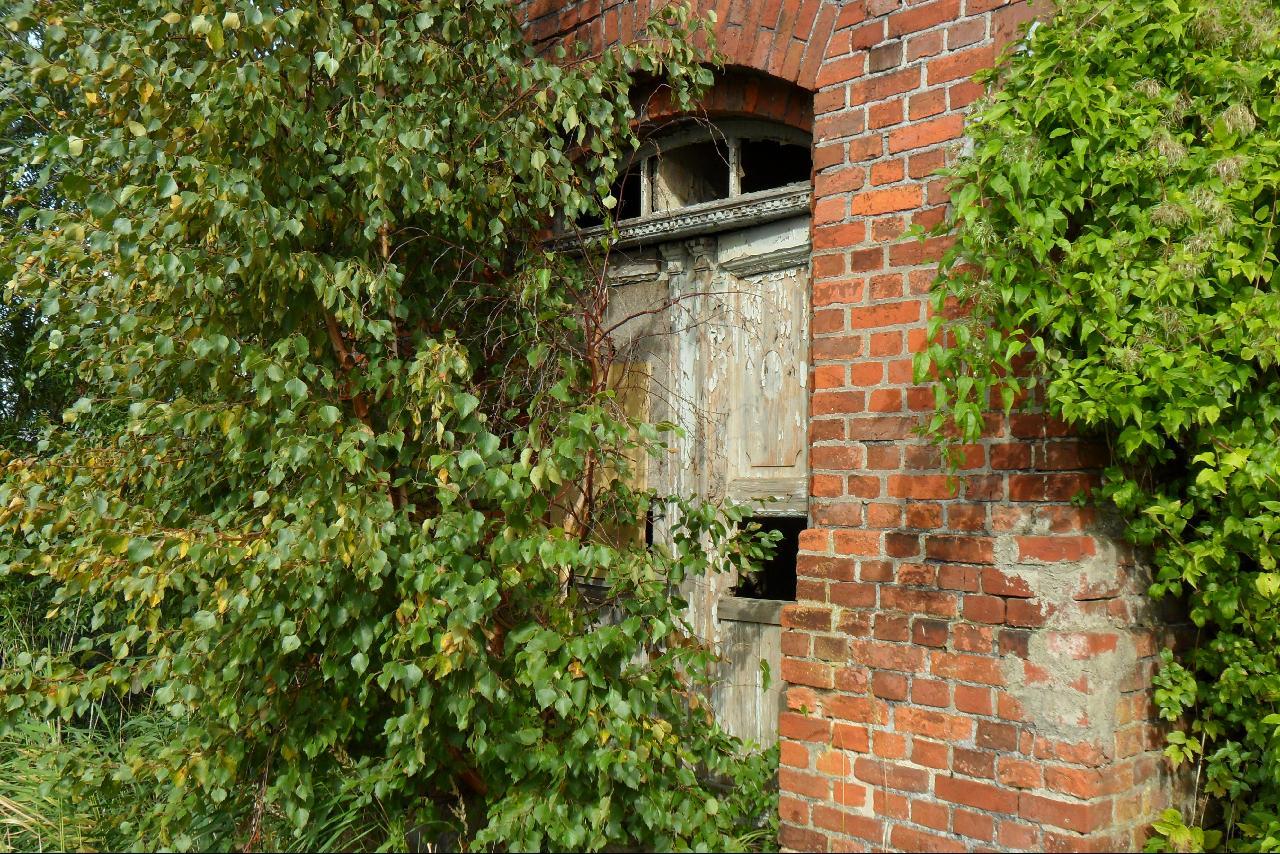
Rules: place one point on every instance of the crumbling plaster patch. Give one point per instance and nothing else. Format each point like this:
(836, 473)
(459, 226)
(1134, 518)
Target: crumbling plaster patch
(1084, 657)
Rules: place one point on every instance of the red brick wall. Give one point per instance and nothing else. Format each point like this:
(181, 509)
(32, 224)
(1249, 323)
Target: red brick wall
(969, 659)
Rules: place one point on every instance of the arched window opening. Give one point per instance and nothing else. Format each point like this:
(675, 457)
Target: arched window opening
(702, 166)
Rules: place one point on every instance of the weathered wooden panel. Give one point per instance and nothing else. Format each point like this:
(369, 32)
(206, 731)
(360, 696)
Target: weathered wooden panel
(767, 423)
(631, 384)
(748, 696)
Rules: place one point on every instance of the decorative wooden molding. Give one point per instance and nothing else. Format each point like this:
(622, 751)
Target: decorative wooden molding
(720, 215)
(767, 262)
(634, 272)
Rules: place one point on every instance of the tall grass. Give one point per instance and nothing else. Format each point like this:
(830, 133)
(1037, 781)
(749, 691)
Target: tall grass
(33, 815)
(36, 814)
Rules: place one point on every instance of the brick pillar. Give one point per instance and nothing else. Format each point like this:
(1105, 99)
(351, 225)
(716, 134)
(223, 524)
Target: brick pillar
(969, 661)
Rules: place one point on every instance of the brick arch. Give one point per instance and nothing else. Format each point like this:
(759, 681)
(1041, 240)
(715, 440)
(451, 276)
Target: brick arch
(738, 93)
(785, 39)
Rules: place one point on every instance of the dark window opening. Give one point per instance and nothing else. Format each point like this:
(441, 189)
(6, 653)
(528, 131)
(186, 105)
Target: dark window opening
(776, 577)
(627, 192)
(766, 164)
(690, 175)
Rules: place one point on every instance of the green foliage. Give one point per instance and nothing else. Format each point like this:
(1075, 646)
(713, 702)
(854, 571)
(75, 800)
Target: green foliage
(1117, 220)
(1172, 834)
(343, 442)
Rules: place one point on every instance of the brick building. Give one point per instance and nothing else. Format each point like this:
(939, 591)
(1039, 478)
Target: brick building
(968, 659)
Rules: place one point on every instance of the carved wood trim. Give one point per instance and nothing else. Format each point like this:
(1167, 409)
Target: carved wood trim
(721, 215)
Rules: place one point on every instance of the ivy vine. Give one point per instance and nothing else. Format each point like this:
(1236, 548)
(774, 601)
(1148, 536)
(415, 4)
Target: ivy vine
(1117, 220)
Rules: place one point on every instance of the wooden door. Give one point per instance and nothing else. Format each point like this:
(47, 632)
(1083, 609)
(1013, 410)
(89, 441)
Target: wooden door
(728, 362)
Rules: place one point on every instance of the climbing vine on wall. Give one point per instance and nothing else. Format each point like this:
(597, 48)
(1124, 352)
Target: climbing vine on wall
(1117, 220)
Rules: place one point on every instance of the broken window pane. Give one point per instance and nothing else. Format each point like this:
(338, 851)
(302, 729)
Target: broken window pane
(765, 164)
(776, 578)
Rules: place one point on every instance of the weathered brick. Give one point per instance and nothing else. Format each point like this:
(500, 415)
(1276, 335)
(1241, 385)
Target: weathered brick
(803, 727)
(930, 813)
(963, 667)
(1082, 818)
(973, 825)
(820, 566)
(973, 763)
(977, 701)
(814, 673)
(995, 736)
(801, 617)
(935, 602)
(891, 775)
(890, 804)
(971, 793)
(793, 810)
(930, 754)
(888, 656)
(930, 692)
(904, 838)
(1055, 549)
(924, 16)
(938, 725)
(984, 609)
(870, 202)
(921, 486)
(1019, 773)
(801, 783)
(801, 838)
(997, 583)
(926, 133)
(964, 63)
(885, 314)
(889, 685)
(1082, 783)
(848, 823)
(931, 632)
(851, 737)
(885, 56)
(960, 549)
(793, 754)
(857, 709)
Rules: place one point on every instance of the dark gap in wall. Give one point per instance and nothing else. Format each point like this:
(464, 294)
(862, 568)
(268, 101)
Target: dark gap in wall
(767, 164)
(627, 191)
(776, 578)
